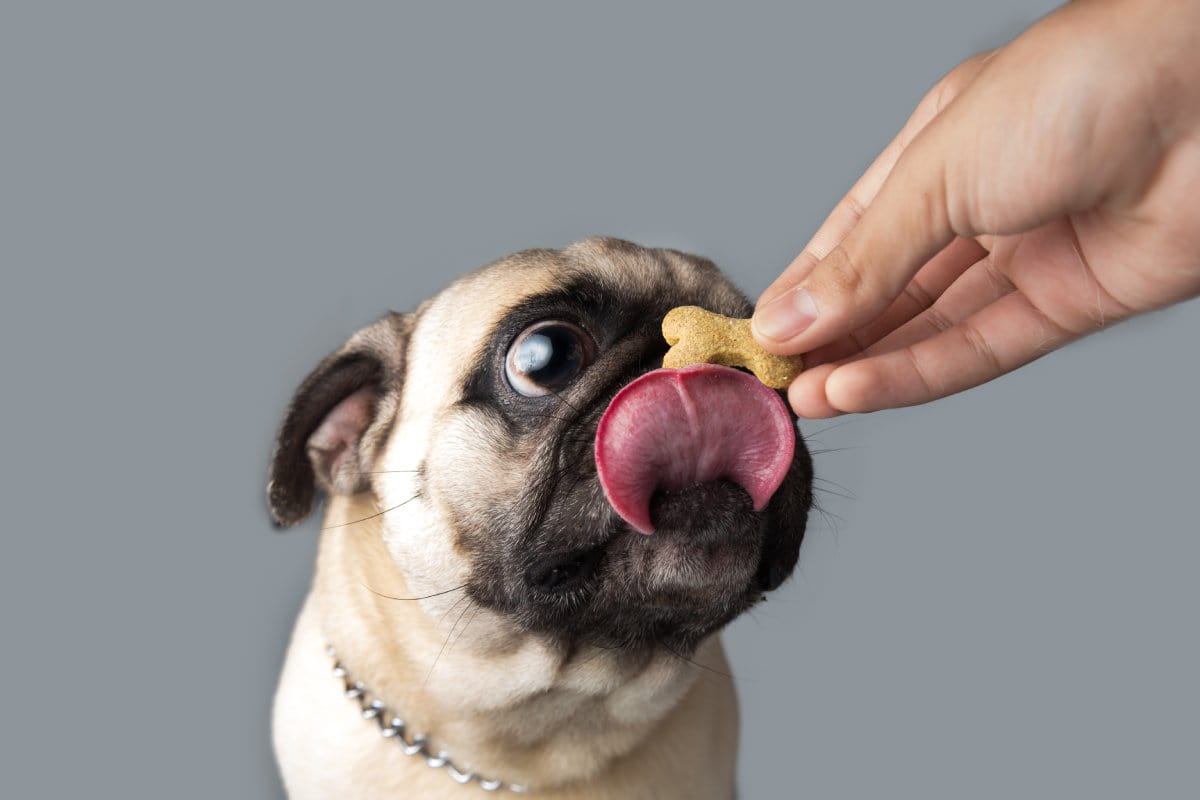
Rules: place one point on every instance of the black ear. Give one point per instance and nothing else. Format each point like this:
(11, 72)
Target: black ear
(337, 419)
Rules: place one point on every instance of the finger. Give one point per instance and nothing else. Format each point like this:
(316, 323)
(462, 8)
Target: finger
(1005, 335)
(925, 290)
(910, 220)
(806, 395)
(849, 210)
(979, 287)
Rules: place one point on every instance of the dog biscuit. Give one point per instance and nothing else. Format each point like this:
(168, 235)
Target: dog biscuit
(699, 336)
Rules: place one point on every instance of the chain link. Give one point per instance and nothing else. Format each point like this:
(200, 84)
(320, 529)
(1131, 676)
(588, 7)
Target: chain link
(411, 744)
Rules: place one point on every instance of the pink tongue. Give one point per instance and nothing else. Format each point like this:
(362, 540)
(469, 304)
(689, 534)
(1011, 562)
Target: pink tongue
(673, 428)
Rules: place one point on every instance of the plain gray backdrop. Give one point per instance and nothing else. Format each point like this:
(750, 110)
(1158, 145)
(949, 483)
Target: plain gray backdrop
(199, 200)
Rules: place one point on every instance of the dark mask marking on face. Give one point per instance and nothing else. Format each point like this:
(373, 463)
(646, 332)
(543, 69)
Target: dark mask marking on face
(556, 558)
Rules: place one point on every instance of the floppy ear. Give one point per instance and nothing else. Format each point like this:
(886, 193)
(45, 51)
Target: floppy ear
(337, 420)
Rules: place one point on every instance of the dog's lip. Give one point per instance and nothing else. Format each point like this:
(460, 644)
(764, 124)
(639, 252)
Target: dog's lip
(672, 428)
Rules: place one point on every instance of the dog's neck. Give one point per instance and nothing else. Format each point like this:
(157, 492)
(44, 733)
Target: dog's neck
(509, 703)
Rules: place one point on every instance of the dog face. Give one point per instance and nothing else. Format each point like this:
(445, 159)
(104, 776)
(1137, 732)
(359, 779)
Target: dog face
(473, 423)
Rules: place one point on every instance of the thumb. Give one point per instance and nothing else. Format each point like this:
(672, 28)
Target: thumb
(905, 225)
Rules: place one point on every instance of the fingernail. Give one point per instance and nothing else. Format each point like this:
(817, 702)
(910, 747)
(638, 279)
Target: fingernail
(786, 315)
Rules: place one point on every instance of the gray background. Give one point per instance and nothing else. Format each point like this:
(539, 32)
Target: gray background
(200, 200)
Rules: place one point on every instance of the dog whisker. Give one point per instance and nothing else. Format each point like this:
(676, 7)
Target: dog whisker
(564, 401)
(694, 663)
(577, 476)
(842, 495)
(372, 516)
(438, 657)
(453, 606)
(832, 483)
(423, 597)
(829, 517)
(547, 416)
(470, 619)
(828, 428)
(601, 652)
(826, 450)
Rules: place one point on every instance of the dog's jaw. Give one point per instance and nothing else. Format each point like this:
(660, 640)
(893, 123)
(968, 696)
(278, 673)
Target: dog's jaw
(511, 703)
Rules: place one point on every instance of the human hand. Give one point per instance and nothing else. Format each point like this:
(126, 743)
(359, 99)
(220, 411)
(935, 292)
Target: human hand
(1038, 193)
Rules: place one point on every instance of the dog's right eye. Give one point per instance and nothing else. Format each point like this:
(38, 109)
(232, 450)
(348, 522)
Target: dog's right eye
(546, 357)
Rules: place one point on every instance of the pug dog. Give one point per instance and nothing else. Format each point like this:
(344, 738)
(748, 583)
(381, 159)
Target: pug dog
(483, 617)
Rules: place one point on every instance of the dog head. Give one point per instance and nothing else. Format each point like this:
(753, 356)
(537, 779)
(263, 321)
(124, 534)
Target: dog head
(472, 424)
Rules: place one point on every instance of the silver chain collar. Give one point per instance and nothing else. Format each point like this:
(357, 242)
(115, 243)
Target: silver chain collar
(393, 727)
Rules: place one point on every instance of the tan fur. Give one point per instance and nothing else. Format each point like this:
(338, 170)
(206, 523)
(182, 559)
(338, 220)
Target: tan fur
(586, 725)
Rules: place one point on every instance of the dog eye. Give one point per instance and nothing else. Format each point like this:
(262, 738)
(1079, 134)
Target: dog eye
(546, 357)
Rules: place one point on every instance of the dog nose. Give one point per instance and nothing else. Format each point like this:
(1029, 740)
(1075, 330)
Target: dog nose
(564, 571)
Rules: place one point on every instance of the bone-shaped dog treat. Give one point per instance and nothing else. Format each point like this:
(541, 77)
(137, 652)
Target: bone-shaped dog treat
(699, 336)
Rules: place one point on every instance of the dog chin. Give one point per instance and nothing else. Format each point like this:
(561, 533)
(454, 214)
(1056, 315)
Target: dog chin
(708, 541)
(676, 567)
(673, 588)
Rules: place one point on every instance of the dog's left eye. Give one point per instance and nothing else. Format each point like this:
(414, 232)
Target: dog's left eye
(546, 357)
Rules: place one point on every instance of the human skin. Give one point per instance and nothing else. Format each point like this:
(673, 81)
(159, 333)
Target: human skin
(1039, 193)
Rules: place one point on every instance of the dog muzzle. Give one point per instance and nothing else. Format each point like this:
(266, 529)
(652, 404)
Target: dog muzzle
(674, 428)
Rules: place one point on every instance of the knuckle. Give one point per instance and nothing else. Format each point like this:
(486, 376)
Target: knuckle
(928, 387)
(1000, 283)
(855, 207)
(981, 347)
(937, 320)
(919, 295)
(955, 81)
(841, 275)
(859, 340)
(1053, 332)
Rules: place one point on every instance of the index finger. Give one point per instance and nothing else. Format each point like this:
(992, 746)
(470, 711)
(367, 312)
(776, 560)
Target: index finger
(851, 207)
